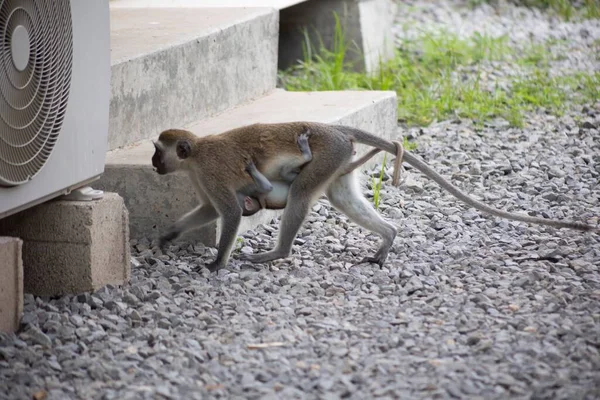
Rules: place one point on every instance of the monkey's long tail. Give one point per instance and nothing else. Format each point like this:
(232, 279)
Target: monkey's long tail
(380, 143)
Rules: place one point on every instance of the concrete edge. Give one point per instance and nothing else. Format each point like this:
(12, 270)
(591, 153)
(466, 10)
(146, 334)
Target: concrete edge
(260, 12)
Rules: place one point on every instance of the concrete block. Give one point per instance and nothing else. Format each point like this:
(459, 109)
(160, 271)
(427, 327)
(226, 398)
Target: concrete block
(72, 246)
(174, 66)
(156, 201)
(367, 25)
(11, 283)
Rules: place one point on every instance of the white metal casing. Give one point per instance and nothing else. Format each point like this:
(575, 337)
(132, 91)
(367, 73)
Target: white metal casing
(78, 156)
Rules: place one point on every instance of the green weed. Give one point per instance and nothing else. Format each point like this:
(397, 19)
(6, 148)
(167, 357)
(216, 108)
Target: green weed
(376, 184)
(566, 9)
(410, 146)
(421, 74)
(586, 87)
(535, 54)
(239, 243)
(592, 9)
(440, 76)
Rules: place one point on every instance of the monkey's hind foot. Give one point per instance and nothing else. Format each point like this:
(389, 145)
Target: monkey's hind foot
(262, 257)
(373, 260)
(302, 141)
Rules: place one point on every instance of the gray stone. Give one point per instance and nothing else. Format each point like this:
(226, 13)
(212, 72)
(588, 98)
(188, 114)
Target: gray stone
(37, 336)
(465, 306)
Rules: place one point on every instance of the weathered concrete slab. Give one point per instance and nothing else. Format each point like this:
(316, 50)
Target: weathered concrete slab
(174, 66)
(278, 4)
(11, 283)
(156, 201)
(367, 25)
(72, 246)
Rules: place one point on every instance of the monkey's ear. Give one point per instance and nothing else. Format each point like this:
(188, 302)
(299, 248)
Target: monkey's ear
(184, 149)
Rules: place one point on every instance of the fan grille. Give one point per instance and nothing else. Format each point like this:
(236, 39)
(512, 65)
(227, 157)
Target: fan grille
(36, 55)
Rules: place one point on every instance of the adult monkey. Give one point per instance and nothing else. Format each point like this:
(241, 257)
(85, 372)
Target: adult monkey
(217, 166)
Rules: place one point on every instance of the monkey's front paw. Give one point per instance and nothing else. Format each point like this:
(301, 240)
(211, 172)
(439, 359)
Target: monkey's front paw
(167, 237)
(250, 166)
(213, 266)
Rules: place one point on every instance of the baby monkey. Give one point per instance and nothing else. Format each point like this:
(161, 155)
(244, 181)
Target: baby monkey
(265, 194)
(272, 195)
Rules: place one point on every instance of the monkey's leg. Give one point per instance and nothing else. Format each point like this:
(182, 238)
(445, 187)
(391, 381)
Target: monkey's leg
(355, 164)
(344, 195)
(196, 218)
(230, 211)
(303, 192)
(290, 172)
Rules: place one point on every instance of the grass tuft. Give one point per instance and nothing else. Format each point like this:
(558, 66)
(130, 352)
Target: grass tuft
(410, 146)
(441, 76)
(376, 184)
(566, 9)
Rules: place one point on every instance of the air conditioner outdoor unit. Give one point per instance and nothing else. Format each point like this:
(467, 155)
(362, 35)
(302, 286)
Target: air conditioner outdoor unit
(54, 98)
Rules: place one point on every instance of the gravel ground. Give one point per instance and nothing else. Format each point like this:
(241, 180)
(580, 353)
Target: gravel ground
(574, 45)
(467, 306)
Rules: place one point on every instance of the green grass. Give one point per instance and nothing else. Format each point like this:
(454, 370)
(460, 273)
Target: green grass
(239, 243)
(535, 55)
(586, 86)
(566, 9)
(376, 184)
(410, 146)
(421, 74)
(439, 76)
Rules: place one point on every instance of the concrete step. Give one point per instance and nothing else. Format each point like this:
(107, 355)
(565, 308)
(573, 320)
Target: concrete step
(154, 201)
(367, 24)
(279, 4)
(173, 66)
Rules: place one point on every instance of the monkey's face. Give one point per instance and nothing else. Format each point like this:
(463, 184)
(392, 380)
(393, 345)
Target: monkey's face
(162, 160)
(168, 158)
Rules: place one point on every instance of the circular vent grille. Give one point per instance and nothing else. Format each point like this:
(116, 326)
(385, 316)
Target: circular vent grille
(36, 52)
